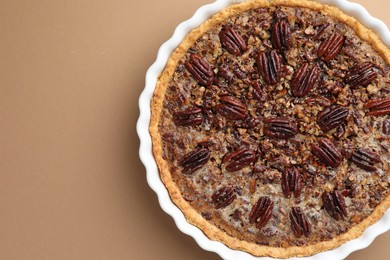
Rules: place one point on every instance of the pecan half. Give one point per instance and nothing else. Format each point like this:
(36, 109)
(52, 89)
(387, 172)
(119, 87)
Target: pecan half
(269, 66)
(330, 47)
(365, 159)
(360, 75)
(334, 203)
(281, 35)
(232, 108)
(261, 212)
(200, 69)
(194, 160)
(279, 127)
(327, 152)
(223, 197)
(239, 159)
(291, 182)
(190, 117)
(331, 117)
(232, 41)
(304, 80)
(299, 224)
(378, 107)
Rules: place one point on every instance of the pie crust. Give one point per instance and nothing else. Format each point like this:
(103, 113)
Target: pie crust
(193, 216)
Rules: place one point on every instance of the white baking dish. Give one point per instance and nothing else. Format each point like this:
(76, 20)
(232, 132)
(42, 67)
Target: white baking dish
(147, 158)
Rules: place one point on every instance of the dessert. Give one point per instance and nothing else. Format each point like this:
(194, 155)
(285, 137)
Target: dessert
(270, 127)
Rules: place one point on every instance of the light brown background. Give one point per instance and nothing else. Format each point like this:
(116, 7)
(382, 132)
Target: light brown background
(71, 183)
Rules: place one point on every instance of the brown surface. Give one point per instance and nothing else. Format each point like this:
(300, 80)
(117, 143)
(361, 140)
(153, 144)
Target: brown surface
(71, 184)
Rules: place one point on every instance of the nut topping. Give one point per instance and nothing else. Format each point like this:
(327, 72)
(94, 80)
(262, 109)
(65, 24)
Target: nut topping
(281, 35)
(232, 41)
(258, 93)
(247, 122)
(361, 75)
(223, 197)
(318, 100)
(365, 159)
(190, 117)
(304, 80)
(386, 127)
(239, 159)
(333, 88)
(194, 160)
(327, 152)
(269, 66)
(291, 182)
(299, 224)
(331, 117)
(252, 186)
(200, 70)
(261, 212)
(232, 108)
(334, 204)
(279, 127)
(225, 73)
(330, 47)
(378, 107)
(339, 132)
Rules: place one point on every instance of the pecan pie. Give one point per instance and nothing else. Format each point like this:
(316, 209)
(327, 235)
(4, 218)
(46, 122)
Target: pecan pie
(271, 127)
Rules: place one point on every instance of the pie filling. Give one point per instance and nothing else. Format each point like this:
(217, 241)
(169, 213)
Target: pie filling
(276, 126)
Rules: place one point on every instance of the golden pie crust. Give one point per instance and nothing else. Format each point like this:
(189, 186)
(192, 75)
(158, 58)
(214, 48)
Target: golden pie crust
(193, 216)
